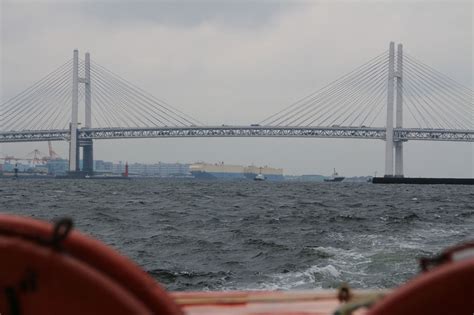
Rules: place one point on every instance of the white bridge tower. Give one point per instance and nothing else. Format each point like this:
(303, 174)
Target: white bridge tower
(74, 145)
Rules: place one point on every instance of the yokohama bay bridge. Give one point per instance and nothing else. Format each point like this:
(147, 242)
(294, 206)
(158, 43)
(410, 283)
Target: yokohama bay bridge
(406, 90)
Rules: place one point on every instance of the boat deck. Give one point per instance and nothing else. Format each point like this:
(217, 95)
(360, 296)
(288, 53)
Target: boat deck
(264, 302)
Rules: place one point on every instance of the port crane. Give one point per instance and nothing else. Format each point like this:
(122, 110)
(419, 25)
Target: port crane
(35, 156)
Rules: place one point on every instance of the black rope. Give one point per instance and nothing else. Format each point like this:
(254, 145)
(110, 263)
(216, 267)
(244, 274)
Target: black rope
(29, 283)
(61, 230)
(13, 301)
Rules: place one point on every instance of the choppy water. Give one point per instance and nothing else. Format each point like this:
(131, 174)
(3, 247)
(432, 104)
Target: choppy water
(198, 235)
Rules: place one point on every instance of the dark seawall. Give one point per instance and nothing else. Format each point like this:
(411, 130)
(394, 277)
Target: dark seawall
(423, 180)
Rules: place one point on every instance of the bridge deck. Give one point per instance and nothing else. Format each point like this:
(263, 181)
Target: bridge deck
(400, 134)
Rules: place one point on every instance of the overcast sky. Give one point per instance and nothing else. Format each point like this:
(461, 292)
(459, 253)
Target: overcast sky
(237, 63)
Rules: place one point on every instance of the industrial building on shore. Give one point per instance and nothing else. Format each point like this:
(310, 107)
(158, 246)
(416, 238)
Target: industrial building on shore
(201, 170)
(58, 167)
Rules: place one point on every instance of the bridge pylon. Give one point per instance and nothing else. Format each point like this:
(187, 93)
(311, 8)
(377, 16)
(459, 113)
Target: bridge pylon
(87, 145)
(74, 144)
(399, 112)
(391, 142)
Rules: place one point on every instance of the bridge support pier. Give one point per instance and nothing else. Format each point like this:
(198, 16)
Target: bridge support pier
(399, 159)
(88, 157)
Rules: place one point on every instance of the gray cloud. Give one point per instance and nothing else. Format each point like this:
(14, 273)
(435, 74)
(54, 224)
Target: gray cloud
(187, 13)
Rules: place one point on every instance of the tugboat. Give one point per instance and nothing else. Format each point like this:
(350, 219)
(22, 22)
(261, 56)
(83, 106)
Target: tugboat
(260, 176)
(334, 177)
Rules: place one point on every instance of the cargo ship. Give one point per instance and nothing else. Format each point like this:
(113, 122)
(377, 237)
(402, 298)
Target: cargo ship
(232, 172)
(216, 171)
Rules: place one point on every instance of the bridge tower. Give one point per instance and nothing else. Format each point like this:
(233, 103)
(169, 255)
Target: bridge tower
(74, 145)
(87, 150)
(390, 142)
(399, 112)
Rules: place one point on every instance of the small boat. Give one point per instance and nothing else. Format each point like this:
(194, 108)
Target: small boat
(334, 177)
(260, 176)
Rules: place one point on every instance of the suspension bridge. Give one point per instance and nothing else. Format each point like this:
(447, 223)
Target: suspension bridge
(393, 97)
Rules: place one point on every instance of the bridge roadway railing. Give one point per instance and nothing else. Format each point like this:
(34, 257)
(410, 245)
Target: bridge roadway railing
(405, 134)
(34, 135)
(238, 131)
(400, 134)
